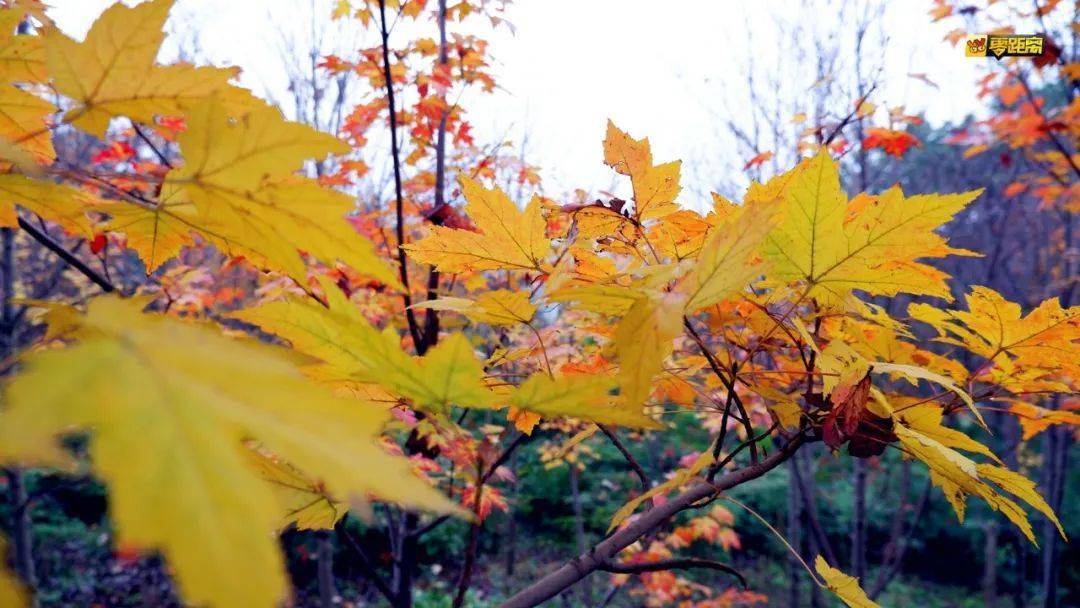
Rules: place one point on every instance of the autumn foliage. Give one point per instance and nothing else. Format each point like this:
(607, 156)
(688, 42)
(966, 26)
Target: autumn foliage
(348, 360)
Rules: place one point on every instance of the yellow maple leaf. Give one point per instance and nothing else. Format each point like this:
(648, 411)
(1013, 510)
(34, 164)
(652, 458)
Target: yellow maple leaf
(870, 244)
(22, 57)
(992, 326)
(926, 419)
(11, 591)
(499, 307)
(54, 202)
(306, 503)
(844, 586)
(677, 479)
(113, 71)
(450, 374)
(643, 340)
(1034, 419)
(959, 476)
(237, 189)
(581, 396)
(919, 373)
(351, 350)
(509, 238)
(604, 299)
(655, 187)
(728, 261)
(681, 234)
(23, 121)
(170, 406)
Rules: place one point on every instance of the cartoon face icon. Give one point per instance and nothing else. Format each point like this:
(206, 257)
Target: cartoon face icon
(976, 46)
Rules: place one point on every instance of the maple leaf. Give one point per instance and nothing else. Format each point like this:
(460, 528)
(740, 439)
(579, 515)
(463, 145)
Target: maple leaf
(22, 57)
(758, 160)
(728, 260)
(643, 340)
(351, 350)
(170, 406)
(844, 586)
(959, 476)
(655, 187)
(113, 72)
(893, 143)
(1045, 338)
(237, 189)
(926, 419)
(919, 373)
(11, 591)
(499, 307)
(581, 396)
(1034, 419)
(24, 121)
(682, 234)
(604, 299)
(58, 203)
(509, 238)
(870, 244)
(307, 505)
(677, 479)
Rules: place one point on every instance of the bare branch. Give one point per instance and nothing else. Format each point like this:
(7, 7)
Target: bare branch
(365, 562)
(399, 202)
(585, 564)
(673, 564)
(645, 485)
(67, 256)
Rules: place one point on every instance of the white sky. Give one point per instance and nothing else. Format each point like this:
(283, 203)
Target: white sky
(661, 69)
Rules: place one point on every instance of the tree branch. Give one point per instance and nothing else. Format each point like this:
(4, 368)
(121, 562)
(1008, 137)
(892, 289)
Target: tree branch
(812, 517)
(431, 318)
(594, 559)
(399, 201)
(67, 256)
(729, 384)
(365, 563)
(501, 460)
(645, 485)
(892, 568)
(672, 564)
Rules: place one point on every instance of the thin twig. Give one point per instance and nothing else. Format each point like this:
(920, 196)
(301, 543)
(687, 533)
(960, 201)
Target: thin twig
(399, 200)
(474, 540)
(67, 256)
(365, 562)
(729, 384)
(584, 564)
(672, 564)
(501, 460)
(634, 465)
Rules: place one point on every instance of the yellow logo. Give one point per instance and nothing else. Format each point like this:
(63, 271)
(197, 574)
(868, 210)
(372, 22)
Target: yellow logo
(1005, 45)
(975, 46)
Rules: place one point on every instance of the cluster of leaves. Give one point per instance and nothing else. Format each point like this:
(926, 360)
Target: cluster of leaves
(1038, 108)
(754, 318)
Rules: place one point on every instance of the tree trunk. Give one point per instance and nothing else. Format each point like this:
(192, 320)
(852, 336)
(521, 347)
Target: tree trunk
(858, 520)
(21, 525)
(989, 581)
(579, 528)
(794, 527)
(511, 523)
(325, 556)
(809, 495)
(403, 569)
(1020, 549)
(1012, 435)
(1054, 455)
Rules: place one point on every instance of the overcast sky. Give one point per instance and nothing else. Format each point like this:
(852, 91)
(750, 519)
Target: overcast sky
(657, 69)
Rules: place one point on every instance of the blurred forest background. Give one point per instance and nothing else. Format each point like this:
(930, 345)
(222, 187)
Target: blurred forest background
(883, 521)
